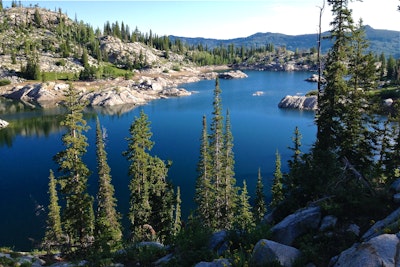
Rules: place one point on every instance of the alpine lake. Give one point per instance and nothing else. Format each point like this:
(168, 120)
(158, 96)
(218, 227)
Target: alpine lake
(259, 128)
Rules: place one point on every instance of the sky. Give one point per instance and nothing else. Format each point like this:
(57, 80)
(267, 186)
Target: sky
(222, 19)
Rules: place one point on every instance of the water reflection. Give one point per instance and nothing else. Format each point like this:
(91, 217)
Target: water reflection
(28, 120)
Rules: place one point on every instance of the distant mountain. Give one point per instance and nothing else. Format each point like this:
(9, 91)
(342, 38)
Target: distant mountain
(380, 41)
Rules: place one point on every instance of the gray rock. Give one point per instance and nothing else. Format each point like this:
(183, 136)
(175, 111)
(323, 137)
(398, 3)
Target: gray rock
(215, 263)
(151, 244)
(388, 102)
(176, 92)
(232, 75)
(314, 78)
(379, 226)
(164, 260)
(3, 123)
(396, 186)
(396, 198)
(296, 224)
(266, 252)
(218, 242)
(354, 228)
(299, 102)
(328, 222)
(379, 251)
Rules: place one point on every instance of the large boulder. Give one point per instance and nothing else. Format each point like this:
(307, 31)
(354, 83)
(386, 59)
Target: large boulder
(382, 250)
(299, 102)
(232, 75)
(296, 224)
(267, 252)
(379, 227)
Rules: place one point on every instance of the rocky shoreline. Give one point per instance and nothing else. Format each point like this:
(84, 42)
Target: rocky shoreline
(146, 86)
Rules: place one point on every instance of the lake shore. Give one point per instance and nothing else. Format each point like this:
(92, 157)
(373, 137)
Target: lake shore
(145, 86)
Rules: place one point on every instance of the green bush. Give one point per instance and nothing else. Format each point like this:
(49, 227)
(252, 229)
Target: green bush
(4, 82)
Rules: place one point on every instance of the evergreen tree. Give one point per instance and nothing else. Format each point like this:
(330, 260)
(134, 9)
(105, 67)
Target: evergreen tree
(204, 190)
(277, 185)
(53, 235)
(332, 101)
(78, 216)
(357, 120)
(108, 233)
(244, 216)
(217, 158)
(139, 144)
(260, 208)
(229, 181)
(32, 68)
(151, 196)
(37, 18)
(391, 69)
(177, 218)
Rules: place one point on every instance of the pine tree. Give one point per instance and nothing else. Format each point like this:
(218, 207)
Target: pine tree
(244, 216)
(151, 195)
(177, 218)
(260, 208)
(333, 99)
(78, 216)
(137, 154)
(277, 185)
(229, 181)
(204, 191)
(108, 233)
(53, 235)
(357, 119)
(217, 156)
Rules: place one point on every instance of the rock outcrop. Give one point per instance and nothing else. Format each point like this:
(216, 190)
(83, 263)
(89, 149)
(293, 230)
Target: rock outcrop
(299, 102)
(314, 79)
(382, 250)
(267, 252)
(3, 124)
(296, 224)
(390, 222)
(215, 263)
(232, 75)
(102, 93)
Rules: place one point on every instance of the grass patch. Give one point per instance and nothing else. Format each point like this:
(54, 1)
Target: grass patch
(4, 82)
(63, 76)
(384, 93)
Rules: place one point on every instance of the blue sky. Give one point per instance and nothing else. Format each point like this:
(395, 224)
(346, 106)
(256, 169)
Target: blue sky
(222, 19)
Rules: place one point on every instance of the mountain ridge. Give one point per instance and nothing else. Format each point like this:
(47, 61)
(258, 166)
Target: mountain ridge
(386, 41)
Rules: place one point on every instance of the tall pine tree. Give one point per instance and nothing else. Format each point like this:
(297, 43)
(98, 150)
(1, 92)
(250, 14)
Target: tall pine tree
(151, 195)
(260, 207)
(277, 184)
(228, 182)
(244, 217)
(204, 190)
(108, 233)
(78, 215)
(53, 235)
(217, 159)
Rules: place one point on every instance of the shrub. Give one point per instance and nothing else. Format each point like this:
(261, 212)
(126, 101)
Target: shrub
(4, 82)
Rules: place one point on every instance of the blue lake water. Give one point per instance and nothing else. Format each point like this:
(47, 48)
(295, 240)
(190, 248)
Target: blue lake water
(259, 128)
